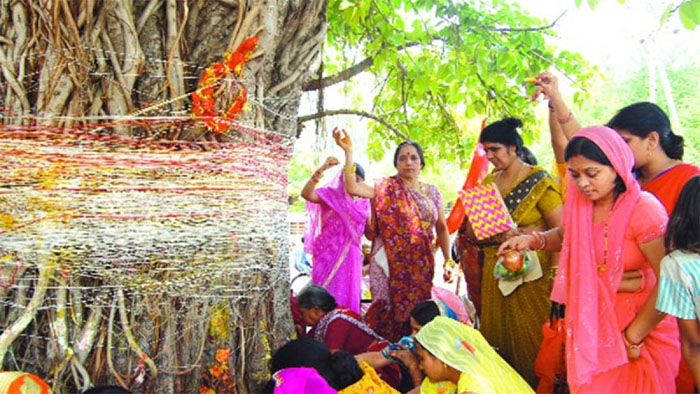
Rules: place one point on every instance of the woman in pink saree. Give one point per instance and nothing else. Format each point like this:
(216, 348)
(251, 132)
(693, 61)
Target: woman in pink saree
(336, 222)
(608, 270)
(407, 214)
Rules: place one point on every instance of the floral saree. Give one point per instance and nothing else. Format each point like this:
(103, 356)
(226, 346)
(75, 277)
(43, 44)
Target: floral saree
(402, 261)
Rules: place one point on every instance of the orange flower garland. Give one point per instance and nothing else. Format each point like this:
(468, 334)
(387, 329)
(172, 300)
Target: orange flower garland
(203, 98)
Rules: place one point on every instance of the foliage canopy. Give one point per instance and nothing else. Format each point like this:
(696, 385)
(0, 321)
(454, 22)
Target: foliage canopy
(438, 63)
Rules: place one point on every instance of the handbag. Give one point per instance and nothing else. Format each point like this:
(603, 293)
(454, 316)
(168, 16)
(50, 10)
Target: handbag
(550, 363)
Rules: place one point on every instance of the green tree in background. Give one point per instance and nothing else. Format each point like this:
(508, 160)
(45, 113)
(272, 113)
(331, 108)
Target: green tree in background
(436, 62)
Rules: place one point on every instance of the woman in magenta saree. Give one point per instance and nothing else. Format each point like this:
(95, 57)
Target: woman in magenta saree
(333, 236)
(407, 215)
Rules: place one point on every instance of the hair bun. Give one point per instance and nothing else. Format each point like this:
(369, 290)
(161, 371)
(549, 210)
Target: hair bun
(513, 122)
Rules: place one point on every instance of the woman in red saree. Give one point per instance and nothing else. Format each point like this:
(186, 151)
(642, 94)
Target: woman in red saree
(657, 162)
(613, 230)
(341, 329)
(407, 213)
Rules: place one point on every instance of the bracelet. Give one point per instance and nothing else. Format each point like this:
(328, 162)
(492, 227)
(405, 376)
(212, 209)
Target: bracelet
(629, 344)
(568, 118)
(450, 263)
(643, 283)
(551, 107)
(316, 176)
(540, 239)
(349, 169)
(385, 353)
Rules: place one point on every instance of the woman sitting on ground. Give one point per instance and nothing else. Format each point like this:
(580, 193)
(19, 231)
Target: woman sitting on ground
(454, 352)
(340, 370)
(421, 315)
(339, 328)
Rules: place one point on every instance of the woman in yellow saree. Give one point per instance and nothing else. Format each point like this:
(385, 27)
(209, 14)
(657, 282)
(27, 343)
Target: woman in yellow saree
(454, 352)
(512, 316)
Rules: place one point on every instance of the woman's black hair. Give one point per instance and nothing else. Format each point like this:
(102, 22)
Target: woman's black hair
(413, 144)
(644, 117)
(504, 132)
(424, 312)
(316, 296)
(527, 156)
(340, 369)
(684, 225)
(582, 146)
(359, 171)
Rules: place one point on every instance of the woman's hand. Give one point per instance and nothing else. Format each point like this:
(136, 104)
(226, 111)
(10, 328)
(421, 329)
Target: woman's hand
(519, 242)
(547, 85)
(634, 351)
(330, 162)
(405, 356)
(342, 139)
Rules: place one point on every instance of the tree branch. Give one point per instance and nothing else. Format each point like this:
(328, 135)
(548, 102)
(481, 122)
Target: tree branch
(306, 118)
(348, 73)
(514, 29)
(344, 75)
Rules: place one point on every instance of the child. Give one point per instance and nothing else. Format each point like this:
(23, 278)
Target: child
(679, 283)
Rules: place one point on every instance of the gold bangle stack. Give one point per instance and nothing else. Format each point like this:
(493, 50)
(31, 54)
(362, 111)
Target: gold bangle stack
(350, 169)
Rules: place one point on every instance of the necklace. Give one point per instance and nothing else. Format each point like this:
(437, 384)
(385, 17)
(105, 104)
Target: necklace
(602, 267)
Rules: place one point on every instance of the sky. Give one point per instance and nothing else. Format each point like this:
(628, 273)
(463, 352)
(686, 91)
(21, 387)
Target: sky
(615, 36)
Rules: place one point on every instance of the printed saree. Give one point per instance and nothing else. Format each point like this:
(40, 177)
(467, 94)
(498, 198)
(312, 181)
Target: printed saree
(513, 323)
(465, 349)
(334, 235)
(402, 263)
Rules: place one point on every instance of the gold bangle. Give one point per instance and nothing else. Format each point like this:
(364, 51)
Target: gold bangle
(450, 263)
(629, 344)
(350, 169)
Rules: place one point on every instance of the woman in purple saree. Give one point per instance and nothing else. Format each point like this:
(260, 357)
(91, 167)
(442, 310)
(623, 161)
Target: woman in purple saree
(336, 222)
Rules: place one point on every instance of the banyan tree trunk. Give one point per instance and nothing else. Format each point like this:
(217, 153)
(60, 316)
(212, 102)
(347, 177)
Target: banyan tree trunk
(139, 245)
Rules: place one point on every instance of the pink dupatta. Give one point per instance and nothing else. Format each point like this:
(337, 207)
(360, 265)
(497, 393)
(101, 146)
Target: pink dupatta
(594, 343)
(333, 236)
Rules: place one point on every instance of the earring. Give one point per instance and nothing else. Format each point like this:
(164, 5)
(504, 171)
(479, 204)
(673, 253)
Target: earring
(649, 153)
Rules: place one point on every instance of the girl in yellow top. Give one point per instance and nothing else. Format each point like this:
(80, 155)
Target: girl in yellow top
(452, 351)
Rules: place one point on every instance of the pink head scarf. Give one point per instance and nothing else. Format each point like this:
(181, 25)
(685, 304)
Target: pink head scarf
(594, 342)
(300, 381)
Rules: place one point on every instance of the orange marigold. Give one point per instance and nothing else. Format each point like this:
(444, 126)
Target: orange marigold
(222, 355)
(206, 390)
(216, 371)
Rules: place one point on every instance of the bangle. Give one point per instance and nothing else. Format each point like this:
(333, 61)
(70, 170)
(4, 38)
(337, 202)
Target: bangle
(551, 107)
(450, 263)
(629, 344)
(643, 283)
(316, 176)
(540, 239)
(568, 118)
(350, 169)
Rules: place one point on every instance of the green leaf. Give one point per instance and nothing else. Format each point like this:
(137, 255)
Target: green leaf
(690, 14)
(667, 12)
